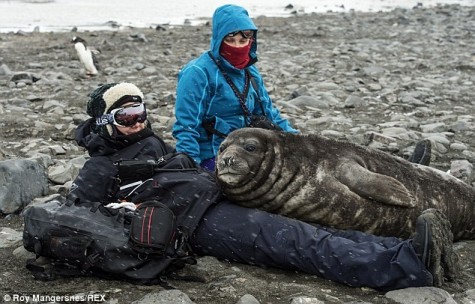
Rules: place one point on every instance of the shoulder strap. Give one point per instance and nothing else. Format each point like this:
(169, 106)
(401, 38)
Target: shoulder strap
(241, 96)
(196, 213)
(254, 85)
(50, 271)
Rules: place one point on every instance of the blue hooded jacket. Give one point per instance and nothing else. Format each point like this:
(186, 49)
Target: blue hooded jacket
(203, 93)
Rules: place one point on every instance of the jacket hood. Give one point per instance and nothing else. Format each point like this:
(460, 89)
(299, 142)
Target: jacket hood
(231, 18)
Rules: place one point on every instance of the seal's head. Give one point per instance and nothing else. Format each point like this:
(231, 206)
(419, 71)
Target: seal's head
(245, 155)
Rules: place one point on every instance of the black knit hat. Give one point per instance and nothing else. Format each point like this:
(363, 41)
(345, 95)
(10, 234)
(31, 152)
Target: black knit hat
(96, 106)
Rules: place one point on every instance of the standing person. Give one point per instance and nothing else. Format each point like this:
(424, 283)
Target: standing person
(220, 90)
(119, 129)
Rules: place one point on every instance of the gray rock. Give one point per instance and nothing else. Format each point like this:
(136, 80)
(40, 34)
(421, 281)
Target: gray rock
(21, 181)
(409, 99)
(468, 297)
(139, 37)
(44, 159)
(62, 173)
(44, 199)
(430, 295)
(24, 77)
(378, 137)
(326, 86)
(9, 237)
(434, 128)
(306, 300)
(333, 134)
(22, 253)
(462, 169)
(309, 101)
(248, 299)
(400, 133)
(5, 70)
(165, 297)
(374, 71)
(354, 101)
(458, 146)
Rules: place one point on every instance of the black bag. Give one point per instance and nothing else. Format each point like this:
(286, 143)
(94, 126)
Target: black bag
(144, 246)
(261, 121)
(143, 169)
(85, 241)
(153, 228)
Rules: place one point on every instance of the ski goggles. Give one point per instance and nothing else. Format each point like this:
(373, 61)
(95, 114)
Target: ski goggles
(246, 34)
(124, 117)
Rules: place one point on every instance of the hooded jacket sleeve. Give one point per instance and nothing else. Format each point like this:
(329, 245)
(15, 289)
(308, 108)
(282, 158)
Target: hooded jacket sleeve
(191, 99)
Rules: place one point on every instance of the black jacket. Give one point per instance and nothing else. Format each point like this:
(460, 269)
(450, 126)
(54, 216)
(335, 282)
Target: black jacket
(97, 181)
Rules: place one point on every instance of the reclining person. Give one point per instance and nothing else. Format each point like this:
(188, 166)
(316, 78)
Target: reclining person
(119, 129)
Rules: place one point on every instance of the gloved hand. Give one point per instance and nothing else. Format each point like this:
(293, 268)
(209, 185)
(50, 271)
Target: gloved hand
(127, 205)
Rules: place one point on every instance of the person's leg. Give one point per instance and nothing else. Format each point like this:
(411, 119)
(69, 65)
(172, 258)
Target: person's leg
(359, 237)
(250, 236)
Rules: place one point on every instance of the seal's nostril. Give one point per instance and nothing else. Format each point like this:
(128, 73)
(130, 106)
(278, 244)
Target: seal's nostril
(227, 161)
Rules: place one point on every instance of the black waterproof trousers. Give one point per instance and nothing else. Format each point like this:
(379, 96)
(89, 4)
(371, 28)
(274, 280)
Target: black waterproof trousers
(354, 258)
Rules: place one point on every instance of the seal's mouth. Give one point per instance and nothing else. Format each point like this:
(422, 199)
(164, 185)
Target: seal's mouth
(231, 168)
(229, 176)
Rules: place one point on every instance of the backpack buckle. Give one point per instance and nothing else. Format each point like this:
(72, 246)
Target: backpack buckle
(91, 260)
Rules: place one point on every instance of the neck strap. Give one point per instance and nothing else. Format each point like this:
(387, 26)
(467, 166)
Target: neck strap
(241, 96)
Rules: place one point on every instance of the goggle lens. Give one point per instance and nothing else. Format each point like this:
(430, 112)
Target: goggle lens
(246, 34)
(129, 116)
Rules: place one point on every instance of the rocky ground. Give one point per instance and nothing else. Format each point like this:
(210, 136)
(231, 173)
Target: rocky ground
(384, 80)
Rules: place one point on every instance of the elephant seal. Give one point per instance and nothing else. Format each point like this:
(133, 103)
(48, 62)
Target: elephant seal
(338, 184)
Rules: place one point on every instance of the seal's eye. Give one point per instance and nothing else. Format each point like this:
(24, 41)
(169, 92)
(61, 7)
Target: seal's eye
(250, 147)
(222, 148)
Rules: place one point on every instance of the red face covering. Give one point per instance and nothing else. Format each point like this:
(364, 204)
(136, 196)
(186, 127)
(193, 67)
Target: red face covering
(237, 56)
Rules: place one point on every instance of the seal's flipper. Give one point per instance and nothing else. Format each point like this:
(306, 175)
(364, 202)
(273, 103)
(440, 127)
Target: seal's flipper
(374, 186)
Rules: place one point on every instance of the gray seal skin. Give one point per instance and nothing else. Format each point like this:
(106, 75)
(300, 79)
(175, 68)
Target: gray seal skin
(338, 184)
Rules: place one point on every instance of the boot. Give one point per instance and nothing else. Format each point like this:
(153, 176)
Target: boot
(422, 153)
(433, 242)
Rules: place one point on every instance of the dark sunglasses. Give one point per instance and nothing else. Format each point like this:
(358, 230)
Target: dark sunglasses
(246, 34)
(124, 117)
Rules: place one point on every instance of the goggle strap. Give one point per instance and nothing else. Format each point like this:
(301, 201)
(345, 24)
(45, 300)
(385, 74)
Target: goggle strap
(105, 119)
(250, 34)
(108, 118)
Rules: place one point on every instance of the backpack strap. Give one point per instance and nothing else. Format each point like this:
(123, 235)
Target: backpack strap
(197, 210)
(50, 271)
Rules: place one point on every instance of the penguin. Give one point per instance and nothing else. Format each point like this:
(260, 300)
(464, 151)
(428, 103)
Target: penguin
(86, 55)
